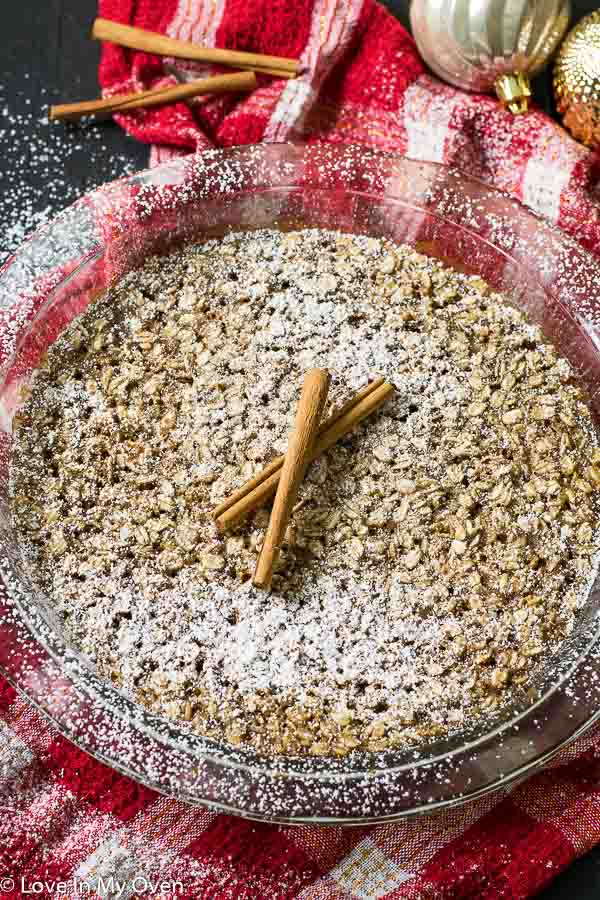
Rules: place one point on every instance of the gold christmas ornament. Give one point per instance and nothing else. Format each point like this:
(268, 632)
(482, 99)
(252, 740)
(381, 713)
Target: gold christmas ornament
(489, 45)
(577, 81)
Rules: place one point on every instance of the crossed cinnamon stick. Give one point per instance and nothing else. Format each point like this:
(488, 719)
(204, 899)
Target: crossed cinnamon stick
(259, 490)
(297, 457)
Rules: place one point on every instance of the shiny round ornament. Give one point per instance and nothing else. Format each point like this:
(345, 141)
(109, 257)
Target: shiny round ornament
(577, 81)
(487, 45)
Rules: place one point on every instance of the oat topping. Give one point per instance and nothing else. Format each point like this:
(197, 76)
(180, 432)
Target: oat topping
(436, 557)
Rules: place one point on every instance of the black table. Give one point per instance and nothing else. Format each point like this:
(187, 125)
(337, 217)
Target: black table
(46, 57)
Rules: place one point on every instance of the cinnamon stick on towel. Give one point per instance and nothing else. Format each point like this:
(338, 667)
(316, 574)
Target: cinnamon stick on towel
(308, 417)
(152, 42)
(219, 84)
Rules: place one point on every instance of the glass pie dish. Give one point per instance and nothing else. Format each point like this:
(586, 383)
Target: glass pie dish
(441, 212)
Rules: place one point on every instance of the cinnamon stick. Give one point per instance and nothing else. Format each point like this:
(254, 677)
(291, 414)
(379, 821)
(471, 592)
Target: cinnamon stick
(259, 490)
(152, 42)
(249, 486)
(268, 70)
(219, 84)
(184, 76)
(308, 417)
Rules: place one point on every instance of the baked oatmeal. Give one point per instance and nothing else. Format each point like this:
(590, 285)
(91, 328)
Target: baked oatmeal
(437, 556)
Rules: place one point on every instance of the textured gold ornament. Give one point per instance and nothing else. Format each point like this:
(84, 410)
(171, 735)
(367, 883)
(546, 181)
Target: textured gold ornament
(487, 45)
(577, 81)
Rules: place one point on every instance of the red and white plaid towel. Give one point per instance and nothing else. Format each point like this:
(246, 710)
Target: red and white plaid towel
(72, 825)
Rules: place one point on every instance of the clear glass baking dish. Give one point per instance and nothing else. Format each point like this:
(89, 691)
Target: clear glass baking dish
(81, 253)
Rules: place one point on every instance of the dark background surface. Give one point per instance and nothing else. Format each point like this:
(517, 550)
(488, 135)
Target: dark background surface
(46, 57)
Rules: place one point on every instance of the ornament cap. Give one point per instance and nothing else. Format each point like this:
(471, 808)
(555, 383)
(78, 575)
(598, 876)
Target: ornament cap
(514, 91)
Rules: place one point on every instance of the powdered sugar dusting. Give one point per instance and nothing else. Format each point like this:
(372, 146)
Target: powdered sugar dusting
(430, 561)
(160, 752)
(36, 155)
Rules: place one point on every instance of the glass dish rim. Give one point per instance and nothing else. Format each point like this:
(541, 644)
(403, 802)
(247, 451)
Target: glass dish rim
(329, 775)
